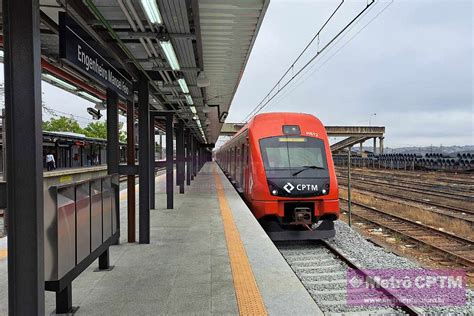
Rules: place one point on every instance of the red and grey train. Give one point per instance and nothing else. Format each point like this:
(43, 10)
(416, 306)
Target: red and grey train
(282, 165)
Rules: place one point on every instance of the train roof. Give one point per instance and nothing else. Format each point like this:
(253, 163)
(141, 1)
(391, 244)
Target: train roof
(281, 117)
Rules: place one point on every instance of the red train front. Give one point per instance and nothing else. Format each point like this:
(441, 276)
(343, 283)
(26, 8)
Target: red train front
(281, 163)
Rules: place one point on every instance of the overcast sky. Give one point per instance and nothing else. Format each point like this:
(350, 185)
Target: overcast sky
(412, 66)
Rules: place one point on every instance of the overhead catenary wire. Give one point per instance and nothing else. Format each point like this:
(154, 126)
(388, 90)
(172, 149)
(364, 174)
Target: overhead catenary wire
(260, 106)
(301, 54)
(300, 80)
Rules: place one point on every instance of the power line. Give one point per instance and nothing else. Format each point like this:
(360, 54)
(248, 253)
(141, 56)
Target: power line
(54, 113)
(300, 80)
(259, 107)
(299, 56)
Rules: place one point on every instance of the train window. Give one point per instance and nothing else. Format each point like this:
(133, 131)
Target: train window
(293, 152)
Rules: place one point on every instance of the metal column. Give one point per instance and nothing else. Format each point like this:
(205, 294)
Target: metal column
(381, 145)
(131, 178)
(169, 160)
(21, 21)
(375, 145)
(180, 156)
(191, 154)
(188, 157)
(195, 149)
(144, 162)
(152, 160)
(360, 148)
(113, 150)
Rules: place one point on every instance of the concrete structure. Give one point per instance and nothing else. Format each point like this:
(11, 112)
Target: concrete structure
(355, 135)
(169, 64)
(186, 267)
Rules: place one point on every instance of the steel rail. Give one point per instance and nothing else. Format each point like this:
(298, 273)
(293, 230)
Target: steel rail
(455, 214)
(460, 188)
(431, 203)
(439, 193)
(437, 233)
(412, 174)
(410, 310)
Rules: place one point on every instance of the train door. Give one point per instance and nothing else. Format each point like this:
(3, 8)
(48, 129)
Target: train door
(231, 160)
(234, 170)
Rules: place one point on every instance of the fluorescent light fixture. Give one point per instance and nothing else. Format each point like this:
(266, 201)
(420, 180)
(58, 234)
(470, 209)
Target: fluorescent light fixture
(195, 117)
(189, 99)
(152, 12)
(198, 122)
(2, 54)
(60, 82)
(193, 109)
(170, 54)
(90, 97)
(183, 85)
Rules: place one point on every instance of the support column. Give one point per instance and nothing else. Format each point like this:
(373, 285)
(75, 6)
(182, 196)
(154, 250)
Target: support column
(180, 156)
(360, 148)
(131, 178)
(375, 145)
(21, 30)
(152, 160)
(191, 154)
(169, 161)
(113, 150)
(195, 149)
(144, 162)
(381, 145)
(188, 157)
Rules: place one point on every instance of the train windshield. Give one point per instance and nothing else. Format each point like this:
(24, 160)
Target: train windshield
(289, 153)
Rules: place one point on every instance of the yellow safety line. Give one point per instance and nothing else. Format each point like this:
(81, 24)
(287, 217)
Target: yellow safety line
(249, 300)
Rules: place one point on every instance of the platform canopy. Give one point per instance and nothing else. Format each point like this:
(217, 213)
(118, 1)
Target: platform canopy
(193, 52)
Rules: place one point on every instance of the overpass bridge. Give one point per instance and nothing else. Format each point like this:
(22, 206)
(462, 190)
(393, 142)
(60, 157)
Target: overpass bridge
(353, 135)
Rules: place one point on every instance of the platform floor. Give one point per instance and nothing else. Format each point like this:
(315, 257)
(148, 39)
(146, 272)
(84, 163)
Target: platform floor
(186, 267)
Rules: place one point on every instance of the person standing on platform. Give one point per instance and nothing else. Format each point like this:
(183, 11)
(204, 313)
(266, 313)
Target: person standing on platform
(50, 162)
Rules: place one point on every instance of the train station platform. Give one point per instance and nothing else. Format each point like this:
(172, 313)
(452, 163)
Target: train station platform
(208, 255)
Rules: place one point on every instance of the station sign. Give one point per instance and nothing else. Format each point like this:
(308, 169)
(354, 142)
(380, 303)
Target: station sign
(79, 50)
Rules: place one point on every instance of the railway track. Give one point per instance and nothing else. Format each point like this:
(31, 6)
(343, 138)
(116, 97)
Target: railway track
(462, 179)
(402, 194)
(463, 186)
(322, 270)
(424, 189)
(458, 249)
(436, 208)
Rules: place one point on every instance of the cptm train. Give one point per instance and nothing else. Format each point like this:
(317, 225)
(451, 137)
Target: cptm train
(281, 164)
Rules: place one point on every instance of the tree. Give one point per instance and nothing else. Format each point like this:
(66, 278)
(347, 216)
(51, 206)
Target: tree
(99, 130)
(96, 130)
(62, 124)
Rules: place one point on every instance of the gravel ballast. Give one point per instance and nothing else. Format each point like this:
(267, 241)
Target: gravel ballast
(365, 254)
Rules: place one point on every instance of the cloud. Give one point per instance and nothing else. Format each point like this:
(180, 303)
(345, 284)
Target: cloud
(413, 66)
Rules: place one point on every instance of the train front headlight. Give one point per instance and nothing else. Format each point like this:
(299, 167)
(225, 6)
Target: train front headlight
(274, 192)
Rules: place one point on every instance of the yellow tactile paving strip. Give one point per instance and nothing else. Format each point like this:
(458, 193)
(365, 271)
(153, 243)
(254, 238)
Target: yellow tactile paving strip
(249, 300)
